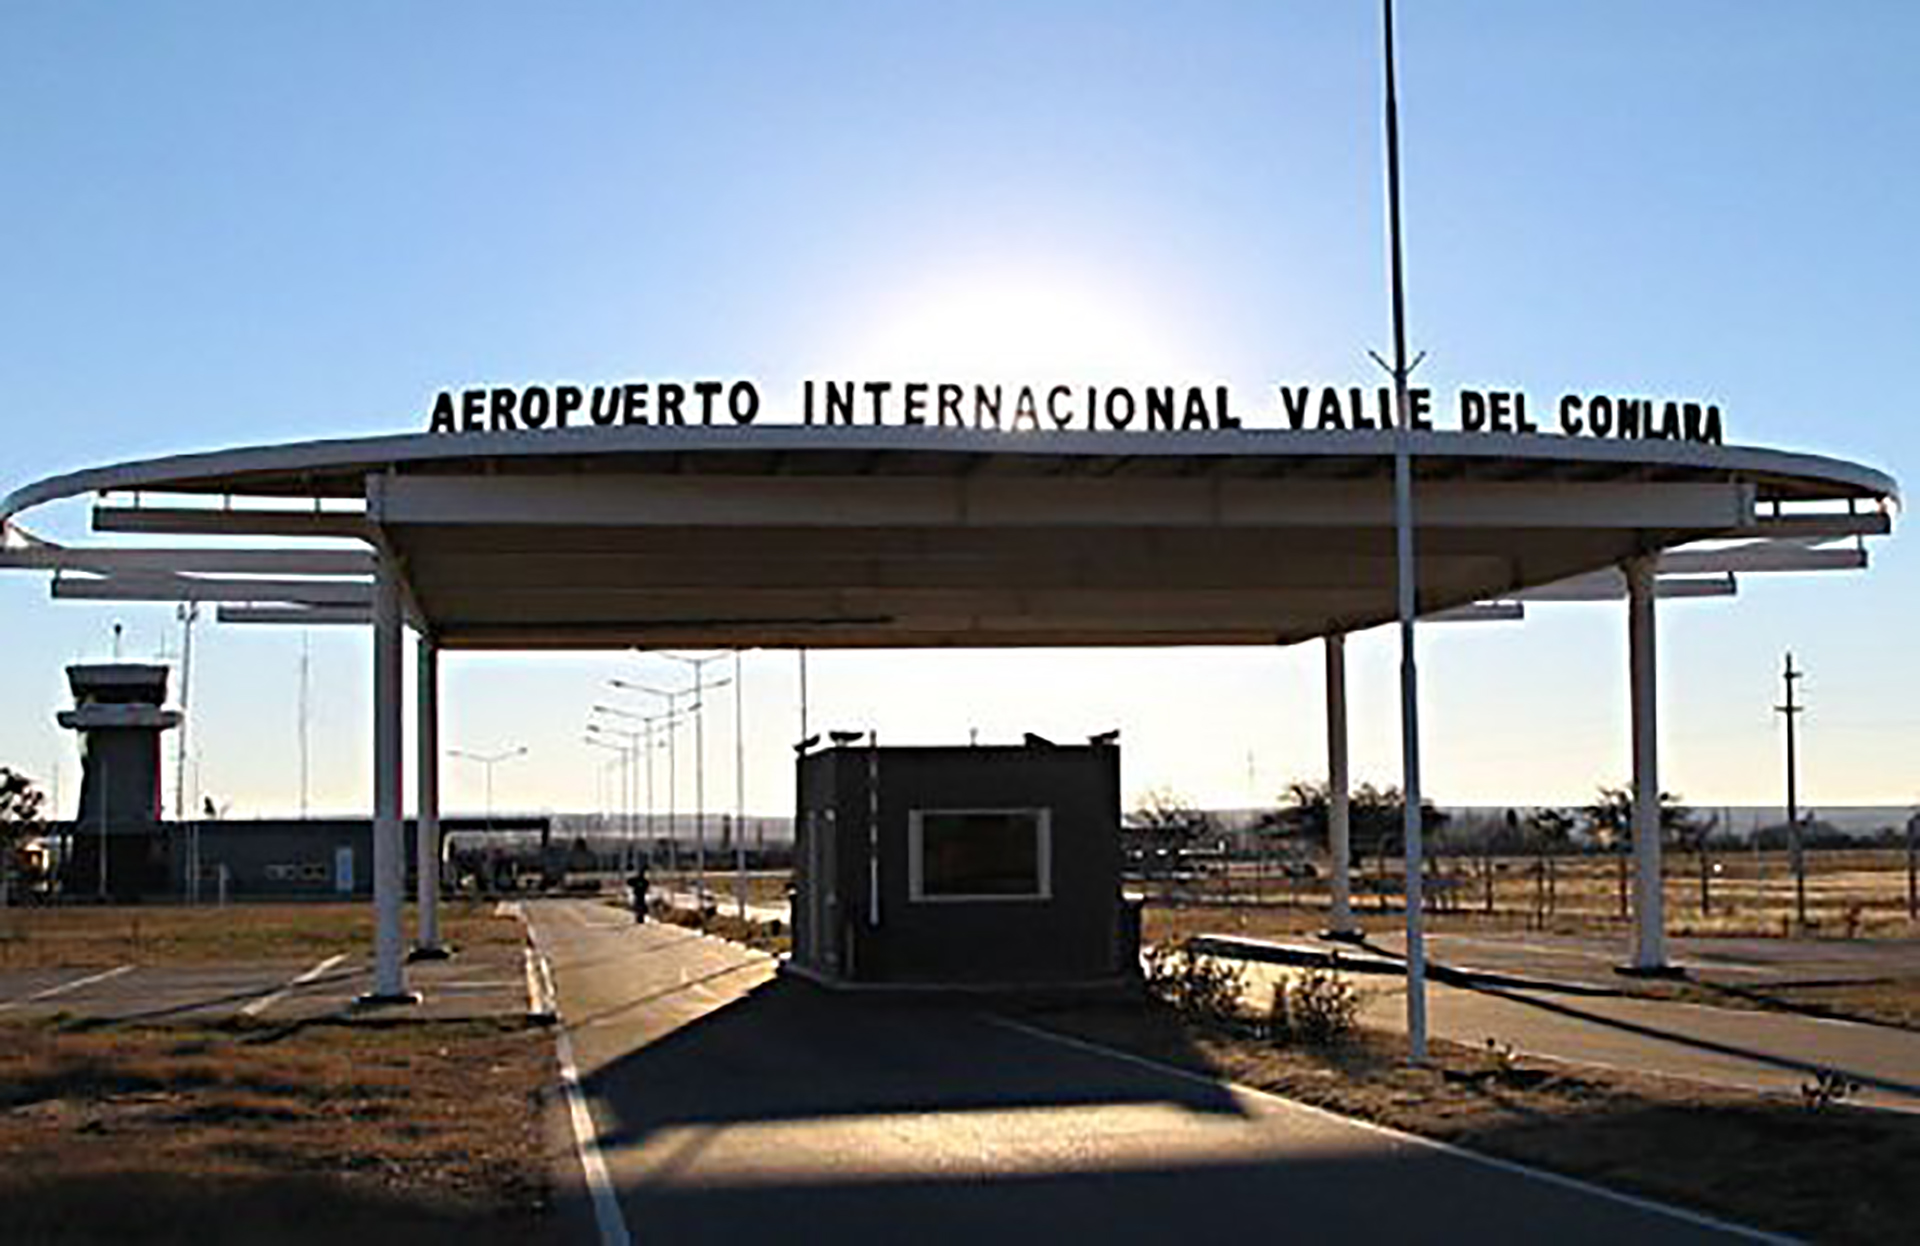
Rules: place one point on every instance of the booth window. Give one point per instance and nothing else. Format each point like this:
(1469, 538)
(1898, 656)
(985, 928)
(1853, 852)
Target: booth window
(980, 854)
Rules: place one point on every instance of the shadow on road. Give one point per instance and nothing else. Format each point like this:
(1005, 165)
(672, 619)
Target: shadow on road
(799, 1113)
(789, 1051)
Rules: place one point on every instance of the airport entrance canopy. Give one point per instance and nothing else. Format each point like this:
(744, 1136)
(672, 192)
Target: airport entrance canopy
(917, 537)
(797, 536)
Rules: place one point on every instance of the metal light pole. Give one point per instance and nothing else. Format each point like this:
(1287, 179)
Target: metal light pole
(655, 724)
(628, 784)
(700, 685)
(672, 697)
(1408, 580)
(647, 730)
(487, 761)
(628, 745)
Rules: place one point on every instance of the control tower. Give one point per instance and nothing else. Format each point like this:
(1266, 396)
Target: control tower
(119, 848)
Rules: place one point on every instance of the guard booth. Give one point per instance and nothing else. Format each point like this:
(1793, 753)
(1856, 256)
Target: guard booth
(961, 866)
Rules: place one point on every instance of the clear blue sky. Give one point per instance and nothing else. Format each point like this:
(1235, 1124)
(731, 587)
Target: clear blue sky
(233, 224)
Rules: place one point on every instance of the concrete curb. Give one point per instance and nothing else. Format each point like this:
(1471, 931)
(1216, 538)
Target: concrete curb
(1345, 957)
(1705, 1220)
(543, 1003)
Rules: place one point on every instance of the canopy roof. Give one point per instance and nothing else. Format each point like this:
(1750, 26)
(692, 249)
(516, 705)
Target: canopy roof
(777, 535)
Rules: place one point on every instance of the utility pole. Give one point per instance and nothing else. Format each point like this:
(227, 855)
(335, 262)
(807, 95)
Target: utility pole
(1408, 580)
(1795, 850)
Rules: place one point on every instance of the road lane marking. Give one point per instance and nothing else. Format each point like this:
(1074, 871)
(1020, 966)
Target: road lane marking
(606, 1207)
(586, 1138)
(64, 987)
(1521, 1170)
(543, 1005)
(265, 1002)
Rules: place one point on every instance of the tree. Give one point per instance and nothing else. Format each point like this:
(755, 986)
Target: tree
(1162, 827)
(1374, 817)
(1166, 819)
(1610, 818)
(21, 803)
(1552, 829)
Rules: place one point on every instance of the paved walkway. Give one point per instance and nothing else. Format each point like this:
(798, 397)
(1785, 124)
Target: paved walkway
(1775, 1052)
(482, 982)
(728, 1104)
(1596, 1022)
(1737, 963)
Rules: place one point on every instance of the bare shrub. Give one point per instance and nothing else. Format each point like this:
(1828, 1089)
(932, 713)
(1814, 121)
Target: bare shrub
(1322, 1006)
(1828, 1087)
(1194, 985)
(1280, 1012)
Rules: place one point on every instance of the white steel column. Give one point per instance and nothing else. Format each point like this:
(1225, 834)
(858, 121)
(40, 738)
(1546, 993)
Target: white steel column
(1649, 928)
(1339, 839)
(389, 975)
(427, 799)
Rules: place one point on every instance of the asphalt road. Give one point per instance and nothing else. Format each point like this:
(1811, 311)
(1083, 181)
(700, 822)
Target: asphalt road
(731, 1105)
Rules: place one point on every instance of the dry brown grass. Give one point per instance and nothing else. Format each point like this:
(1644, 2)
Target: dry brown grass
(725, 925)
(763, 886)
(417, 1132)
(88, 936)
(1893, 1000)
(1850, 893)
(1837, 1174)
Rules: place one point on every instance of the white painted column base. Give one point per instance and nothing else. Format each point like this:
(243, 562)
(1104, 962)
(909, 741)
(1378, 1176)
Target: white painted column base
(1649, 924)
(427, 945)
(1340, 923)
(389, 973)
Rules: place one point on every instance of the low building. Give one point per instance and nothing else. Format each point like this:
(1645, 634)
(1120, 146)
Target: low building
(298, 858)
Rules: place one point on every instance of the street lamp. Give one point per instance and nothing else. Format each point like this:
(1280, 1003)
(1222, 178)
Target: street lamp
(487, 761)
(648, 722)
(700, 685)
(672, 696)
(651, 746)
(625, 747)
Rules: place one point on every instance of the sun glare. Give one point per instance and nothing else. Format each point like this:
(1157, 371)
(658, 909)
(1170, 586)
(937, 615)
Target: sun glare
(1021, 330)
